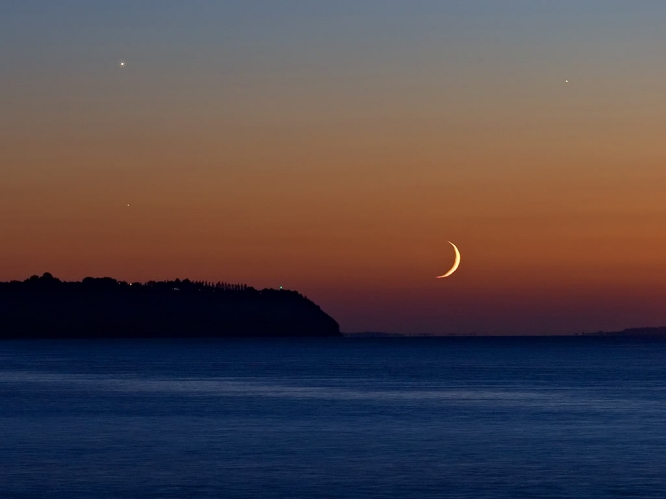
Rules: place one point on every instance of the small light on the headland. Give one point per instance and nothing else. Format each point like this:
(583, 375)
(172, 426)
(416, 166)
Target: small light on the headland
(280, 287)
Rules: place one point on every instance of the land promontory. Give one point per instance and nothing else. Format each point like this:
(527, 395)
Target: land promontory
(46, 307)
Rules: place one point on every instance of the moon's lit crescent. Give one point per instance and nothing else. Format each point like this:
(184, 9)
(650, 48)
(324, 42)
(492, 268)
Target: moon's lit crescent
(456, 263)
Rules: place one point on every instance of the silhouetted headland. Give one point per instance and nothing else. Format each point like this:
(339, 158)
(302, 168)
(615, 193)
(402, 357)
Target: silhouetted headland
(46, 307)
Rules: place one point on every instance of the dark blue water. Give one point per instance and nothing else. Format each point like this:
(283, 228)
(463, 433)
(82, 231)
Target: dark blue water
(408, 418)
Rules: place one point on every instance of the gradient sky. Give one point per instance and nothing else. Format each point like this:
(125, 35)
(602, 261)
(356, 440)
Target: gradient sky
(335, 148)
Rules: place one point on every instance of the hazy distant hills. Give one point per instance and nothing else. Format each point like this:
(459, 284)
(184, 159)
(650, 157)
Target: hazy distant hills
(379, 334)
(636, 331)
(45, 307)
(640, 332)
(373, 334)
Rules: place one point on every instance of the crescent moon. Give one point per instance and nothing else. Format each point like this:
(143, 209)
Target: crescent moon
(456, 262)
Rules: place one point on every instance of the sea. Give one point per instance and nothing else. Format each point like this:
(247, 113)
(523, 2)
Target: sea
(565, 417)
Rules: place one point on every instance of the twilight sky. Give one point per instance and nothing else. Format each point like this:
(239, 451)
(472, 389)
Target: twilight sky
(335, 148)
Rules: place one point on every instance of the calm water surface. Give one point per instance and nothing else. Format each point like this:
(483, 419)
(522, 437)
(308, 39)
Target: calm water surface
(390, 418)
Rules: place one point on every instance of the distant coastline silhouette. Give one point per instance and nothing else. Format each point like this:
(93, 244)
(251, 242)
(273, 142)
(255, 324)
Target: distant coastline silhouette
(46, 307)
(634, 331)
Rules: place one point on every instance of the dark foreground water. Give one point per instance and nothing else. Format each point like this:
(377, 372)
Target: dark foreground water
(408, 418)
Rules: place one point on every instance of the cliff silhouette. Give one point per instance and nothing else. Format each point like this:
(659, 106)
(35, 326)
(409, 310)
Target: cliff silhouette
(46, 307)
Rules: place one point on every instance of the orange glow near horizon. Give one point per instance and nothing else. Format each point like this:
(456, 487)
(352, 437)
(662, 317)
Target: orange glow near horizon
(344, 175)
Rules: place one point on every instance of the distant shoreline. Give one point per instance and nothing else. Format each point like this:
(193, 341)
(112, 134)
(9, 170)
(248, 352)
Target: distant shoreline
(636, 331)
(643, 332)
